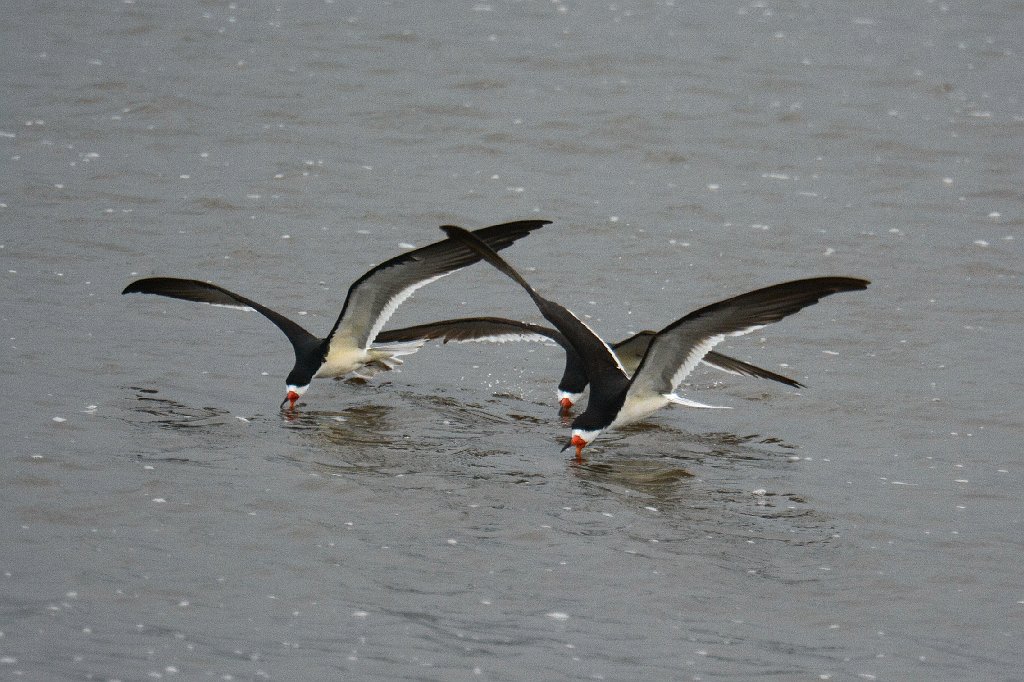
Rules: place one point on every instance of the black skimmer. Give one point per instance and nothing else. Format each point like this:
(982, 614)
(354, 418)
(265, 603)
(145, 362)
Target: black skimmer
(617, 399)
(630, 351)
(370, 302)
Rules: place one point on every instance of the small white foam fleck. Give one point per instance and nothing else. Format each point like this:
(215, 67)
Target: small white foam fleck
(406, 245)
(558, 615)
(59, 419)
(994, 214)
(360, 614)
(980, 242)
(159, 500)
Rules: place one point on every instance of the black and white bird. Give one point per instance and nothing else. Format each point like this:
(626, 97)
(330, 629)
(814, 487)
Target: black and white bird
(616, 398)
(371, 300)
(630, 351)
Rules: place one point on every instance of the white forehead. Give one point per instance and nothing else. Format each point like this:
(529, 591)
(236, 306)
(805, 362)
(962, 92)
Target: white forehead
(298, 389)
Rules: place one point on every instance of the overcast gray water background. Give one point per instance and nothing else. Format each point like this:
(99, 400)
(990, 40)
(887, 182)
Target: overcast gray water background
(161, 519)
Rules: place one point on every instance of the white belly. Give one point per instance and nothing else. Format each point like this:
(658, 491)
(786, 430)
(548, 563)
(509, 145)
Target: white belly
(341, 361)
(635, 409)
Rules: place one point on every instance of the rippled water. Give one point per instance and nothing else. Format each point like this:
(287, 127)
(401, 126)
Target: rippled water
(164, 520)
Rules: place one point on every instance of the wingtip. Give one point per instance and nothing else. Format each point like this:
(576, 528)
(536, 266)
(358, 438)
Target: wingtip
(133, 288)
(854, 283)
(473, 242)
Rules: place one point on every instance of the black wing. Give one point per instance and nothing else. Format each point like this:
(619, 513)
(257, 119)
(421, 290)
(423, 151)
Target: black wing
(497, 330)
(204, 292)
(677, 348)
(374, 297)
(467, 329)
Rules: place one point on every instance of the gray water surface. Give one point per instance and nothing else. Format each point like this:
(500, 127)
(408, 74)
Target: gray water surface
(162, 519)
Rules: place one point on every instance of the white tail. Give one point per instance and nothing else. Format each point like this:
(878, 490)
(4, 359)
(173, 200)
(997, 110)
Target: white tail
(686, 402)
(394, 350)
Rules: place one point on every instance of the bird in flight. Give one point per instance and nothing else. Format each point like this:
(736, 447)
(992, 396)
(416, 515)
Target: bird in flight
(371, 300)
(616, 398)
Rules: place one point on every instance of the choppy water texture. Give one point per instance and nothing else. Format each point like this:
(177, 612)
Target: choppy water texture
(161, 517)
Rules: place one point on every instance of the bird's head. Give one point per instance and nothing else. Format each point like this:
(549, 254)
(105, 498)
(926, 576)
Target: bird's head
(294, 392)
(566, 400)
(309, 358)
(296, 384)
(581, 438)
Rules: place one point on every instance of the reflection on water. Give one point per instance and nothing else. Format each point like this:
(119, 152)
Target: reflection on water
(170, 414)
(699, 485)
(713, 492)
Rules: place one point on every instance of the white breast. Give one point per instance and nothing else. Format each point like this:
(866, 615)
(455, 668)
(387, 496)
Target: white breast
(342, 359)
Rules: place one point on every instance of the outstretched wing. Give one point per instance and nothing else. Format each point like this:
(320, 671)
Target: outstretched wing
(677, 348)
(470, 329)
(731, 365)
(204, 292)
(495, 330)
(373, 298)
(631, 351)
(606, 375)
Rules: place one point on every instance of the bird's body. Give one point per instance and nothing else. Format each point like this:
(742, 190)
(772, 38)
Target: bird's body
(616, 398)
(371, 300)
